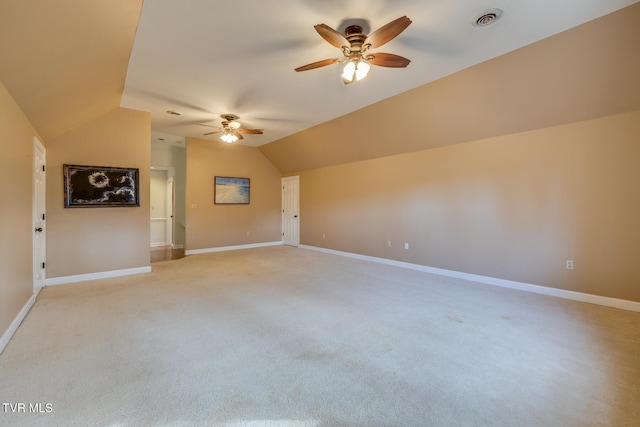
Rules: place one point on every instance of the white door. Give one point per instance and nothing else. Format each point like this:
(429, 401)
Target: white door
(171, 201)
(162, 205)
(159, 202)
(291, 211)
(39, 195)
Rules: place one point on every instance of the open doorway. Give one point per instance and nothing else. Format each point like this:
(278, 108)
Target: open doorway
(168, 185)
(162, 219)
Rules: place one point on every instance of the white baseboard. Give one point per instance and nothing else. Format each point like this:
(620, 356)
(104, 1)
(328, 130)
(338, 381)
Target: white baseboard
(162, 245)
(544, 290)
(230, 248)
(52, 281)
(8, 334)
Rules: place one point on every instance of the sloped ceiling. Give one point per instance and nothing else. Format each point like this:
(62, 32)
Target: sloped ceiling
(587, 72)
(205, 58)
(65, 61)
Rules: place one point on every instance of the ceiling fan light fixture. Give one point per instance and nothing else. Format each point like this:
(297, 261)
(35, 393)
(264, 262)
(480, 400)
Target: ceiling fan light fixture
(362, 69)
(355, 68)
(349, 71)
(354, 46)
(229, 138)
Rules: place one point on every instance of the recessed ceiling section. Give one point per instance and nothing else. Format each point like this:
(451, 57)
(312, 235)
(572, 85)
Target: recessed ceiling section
(165, 139)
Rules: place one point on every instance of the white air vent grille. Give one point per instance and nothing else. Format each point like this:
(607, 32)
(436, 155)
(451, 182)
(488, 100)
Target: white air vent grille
(488, 17)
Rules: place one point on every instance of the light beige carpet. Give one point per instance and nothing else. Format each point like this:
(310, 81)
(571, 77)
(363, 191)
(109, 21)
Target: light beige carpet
(287, 337)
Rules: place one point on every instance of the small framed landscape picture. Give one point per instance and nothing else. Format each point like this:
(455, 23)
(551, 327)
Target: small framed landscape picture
(98, 186)
(231, 191)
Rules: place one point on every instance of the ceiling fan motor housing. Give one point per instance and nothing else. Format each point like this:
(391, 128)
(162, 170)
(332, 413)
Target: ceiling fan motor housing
(356, 38)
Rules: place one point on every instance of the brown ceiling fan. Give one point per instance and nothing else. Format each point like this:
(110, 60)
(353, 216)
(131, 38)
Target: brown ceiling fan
(231, 129)
(355, 47)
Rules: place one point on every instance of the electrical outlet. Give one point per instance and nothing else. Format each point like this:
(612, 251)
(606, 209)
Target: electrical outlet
(193, 206)
(569, 264)
(389, 243)
(324, 236)
(248, 233)
(406, 246)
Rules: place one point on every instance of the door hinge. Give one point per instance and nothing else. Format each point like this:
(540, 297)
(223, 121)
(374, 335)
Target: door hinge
(43, 168)
(43, 265)
(43, 217)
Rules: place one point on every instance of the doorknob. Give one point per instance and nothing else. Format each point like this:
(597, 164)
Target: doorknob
(39, 229)
(295, 216)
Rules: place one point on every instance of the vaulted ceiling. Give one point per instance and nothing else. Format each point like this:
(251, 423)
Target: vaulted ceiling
(65, 61)
(69, 61)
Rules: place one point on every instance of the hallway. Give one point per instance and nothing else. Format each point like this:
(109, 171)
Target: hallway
(165, 253)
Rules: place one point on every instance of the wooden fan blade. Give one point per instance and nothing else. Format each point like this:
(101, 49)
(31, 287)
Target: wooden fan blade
(388, 32)
(251, 131)
(388, 60)
(212, 133)
(318, 64)
(332, 36)
(238, 134)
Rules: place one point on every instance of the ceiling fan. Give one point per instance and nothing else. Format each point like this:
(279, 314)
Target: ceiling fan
(231, 129)
(355, 47)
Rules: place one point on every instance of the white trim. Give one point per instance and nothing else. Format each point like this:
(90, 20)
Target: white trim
(157, 245)
(37, 142)
(8, 334)
(231, 248)
(53, 281)
(527, 287)
(39, 243)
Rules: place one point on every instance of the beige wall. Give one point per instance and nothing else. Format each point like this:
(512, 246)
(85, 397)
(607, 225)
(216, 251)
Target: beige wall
(92, 240)
(513, 207)
(211, 226)
(504, 169)
(16, 161)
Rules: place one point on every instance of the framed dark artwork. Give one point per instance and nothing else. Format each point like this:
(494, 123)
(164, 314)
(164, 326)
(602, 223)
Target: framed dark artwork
(97, 186)
(231, 191)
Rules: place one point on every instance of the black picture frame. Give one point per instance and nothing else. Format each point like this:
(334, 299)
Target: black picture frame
(231, 191)
(100, 186)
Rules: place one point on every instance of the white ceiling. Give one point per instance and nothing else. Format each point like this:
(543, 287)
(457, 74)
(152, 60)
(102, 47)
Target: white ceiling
(205, 58)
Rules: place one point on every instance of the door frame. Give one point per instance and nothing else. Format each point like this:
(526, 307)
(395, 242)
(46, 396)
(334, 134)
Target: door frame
(170, 205)
(295, 178)
(38, 212)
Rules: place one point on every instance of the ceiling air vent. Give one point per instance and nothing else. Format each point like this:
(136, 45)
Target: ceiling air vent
(488, 17)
